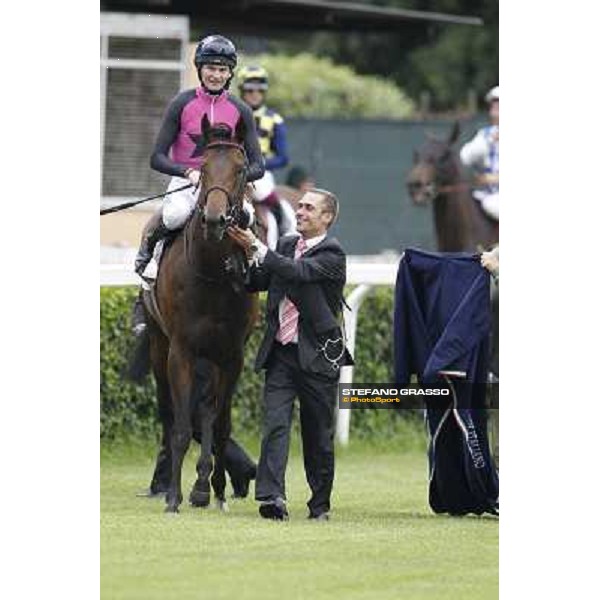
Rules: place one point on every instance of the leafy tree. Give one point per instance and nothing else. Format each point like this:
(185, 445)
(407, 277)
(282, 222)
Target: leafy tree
(307, 86)
(446, 61)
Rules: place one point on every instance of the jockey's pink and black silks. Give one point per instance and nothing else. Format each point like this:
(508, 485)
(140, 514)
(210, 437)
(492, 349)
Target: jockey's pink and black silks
(180, 144)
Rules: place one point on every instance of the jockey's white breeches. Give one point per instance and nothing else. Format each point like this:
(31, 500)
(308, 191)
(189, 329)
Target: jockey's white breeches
(178, 207)
(264, 186)
(490, 204)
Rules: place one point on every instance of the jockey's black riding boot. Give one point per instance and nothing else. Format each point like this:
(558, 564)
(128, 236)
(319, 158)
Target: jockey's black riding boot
(149, 241)
(138, 315)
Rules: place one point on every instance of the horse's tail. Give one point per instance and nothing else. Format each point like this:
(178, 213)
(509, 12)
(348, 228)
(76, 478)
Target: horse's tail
(139, 363)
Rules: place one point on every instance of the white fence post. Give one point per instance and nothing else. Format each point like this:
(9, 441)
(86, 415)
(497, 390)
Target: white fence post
(355, 300)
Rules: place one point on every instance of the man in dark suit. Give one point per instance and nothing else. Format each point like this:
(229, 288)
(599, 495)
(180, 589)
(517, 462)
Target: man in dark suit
(302, 350)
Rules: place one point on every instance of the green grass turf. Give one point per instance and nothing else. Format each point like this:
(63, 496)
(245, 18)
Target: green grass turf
(383, 540)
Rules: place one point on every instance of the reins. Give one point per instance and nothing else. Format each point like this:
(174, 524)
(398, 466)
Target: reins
(118, 207)
(125, 205)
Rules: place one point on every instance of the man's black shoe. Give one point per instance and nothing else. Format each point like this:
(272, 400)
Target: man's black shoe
(275, 510)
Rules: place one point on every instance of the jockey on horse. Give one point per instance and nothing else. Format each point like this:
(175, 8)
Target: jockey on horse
(179, 146)
(253, 83)
(482, 155)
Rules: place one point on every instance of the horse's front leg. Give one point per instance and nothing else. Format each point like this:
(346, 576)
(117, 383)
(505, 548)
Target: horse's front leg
(180, 372)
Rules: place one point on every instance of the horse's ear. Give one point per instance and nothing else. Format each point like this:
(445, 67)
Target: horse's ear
(454, 133)
(240, 131)
(205, 125)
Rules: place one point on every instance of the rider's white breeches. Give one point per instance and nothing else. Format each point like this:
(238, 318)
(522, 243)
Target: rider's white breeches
(264, 186)
(491, 205)
(272, 230)
(288, 217)
(177, 207)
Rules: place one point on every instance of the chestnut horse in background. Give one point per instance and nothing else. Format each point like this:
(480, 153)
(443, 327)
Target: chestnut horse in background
(197, 337)
(436, 177)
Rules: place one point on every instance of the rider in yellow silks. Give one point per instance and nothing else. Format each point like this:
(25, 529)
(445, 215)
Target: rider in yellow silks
(253, 82)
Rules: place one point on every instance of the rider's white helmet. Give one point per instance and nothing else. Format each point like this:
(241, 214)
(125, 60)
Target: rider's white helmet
(492, 94)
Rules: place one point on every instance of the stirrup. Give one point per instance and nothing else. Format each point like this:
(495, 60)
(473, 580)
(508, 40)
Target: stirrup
(139, 329)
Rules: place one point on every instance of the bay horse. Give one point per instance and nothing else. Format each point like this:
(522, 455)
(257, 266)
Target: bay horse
(205, 315)
(437, 177)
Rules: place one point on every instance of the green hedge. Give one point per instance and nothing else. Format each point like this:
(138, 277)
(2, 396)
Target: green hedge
(130, 410)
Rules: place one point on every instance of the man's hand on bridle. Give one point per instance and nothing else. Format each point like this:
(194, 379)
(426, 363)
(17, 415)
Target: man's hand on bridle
(244, 238)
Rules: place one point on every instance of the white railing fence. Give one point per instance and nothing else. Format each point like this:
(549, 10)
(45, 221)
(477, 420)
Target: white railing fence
(365, 275)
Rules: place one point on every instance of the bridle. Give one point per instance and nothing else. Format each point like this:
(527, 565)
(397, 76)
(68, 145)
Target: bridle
(234, 205)
(234, 213)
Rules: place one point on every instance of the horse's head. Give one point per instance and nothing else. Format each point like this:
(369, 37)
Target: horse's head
(434, 165)
(223, 178)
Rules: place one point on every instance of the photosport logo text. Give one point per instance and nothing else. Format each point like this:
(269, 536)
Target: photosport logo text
(384, 396)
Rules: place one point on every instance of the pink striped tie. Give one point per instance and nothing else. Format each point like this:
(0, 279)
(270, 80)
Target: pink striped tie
(288, 325)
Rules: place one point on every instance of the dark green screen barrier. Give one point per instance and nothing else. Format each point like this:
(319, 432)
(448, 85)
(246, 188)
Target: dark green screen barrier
(365, 163)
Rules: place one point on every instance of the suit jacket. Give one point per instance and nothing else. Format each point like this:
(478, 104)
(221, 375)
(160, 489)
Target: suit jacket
(315, 284)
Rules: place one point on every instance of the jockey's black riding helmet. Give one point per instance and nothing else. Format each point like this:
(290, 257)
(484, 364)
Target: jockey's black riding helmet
(216, 50)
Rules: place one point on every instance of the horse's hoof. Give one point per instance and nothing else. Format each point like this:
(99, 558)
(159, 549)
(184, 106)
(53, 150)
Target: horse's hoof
(198, 498)
(222, 505)
(172, 510)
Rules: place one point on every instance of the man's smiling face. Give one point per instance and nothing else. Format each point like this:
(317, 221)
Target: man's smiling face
(312, 215)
